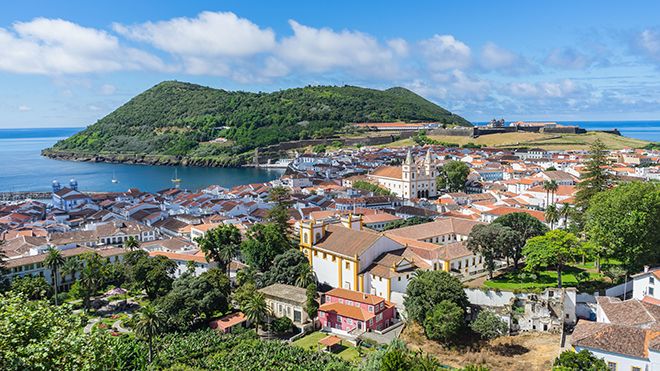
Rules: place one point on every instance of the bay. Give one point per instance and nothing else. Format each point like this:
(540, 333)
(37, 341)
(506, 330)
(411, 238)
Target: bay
(22, 168)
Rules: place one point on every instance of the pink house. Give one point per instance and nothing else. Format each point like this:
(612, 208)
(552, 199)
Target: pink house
(351, 311)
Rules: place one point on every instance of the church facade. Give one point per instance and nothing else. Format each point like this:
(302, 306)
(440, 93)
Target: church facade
(413, 179)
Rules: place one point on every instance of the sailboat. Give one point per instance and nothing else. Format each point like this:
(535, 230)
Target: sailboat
(114, 178)
(176, 179)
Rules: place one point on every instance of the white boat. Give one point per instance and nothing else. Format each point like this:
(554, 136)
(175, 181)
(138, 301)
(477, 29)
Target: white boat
(176, 179)
(114, 178)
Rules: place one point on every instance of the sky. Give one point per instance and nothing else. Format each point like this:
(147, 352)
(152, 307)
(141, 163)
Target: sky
(69, 63)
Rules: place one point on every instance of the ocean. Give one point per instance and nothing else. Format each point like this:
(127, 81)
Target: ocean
(646, 130)
(22, 168)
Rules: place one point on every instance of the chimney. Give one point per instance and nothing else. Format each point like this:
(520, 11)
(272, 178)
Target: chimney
(646, 268)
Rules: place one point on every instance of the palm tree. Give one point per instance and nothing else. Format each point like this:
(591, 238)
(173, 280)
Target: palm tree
(132, 243)
(221, 244)
(255, 309)
(546, 187)
(564, 213)
(306, 277)
(54, 260)
(551, 215)
(72, 266)
(553, 186)
(227, 253)
(149, 323)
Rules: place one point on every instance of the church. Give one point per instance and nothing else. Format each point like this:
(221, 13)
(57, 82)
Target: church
(413, 179)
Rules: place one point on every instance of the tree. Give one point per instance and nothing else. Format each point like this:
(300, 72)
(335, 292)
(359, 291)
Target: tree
(311, 306)
(279, 214)
(91, 276)
(444, 321)
(550, 187)
(193, 300)
(625, 221)
(33, 288)
(148, 324)
(596, 178)
(583, 360)
(489, 325)
(525, 227)
(282, 325)
(54, 261)
(264, 242)
(564, 213)
(307, 277)
(453, 176)
(72, 266)
(221, 245)
(288, 268)
(153, 275)
(551, 215)
(132, 243)
(255, 309)
(491, 241)
(428, 288)
(556, 248)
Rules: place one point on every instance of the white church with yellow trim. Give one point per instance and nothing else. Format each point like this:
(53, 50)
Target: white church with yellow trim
(346, 255)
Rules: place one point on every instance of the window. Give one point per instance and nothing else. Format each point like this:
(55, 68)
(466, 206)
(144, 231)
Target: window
(635, 368)
(650, 291)
(651, 280)
(339, 319)
(371, 308)
(611, 366)
(348, 265)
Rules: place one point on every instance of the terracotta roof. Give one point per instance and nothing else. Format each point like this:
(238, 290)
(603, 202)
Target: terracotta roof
(181, 257)
(329, 341)
(228, 321)
(346, 241)
(394, 172)
(629, 312)
(504, 210)
(348, 311)
(359, 297)
(437, 227)
(614, 338)
(378, 218)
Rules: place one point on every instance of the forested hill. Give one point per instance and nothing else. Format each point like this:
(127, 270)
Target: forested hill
(176, 118)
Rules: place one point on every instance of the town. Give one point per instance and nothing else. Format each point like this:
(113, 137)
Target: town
(356, 250)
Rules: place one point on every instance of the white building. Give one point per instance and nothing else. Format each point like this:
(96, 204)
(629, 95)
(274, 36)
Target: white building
(410, 180)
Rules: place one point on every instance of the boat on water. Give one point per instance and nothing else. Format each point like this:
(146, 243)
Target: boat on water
(176, 180)
(114, 178)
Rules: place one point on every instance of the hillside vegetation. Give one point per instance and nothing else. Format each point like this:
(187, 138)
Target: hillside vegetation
(179, 119)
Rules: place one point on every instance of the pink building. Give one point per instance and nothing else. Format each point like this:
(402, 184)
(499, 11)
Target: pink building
(351, 311)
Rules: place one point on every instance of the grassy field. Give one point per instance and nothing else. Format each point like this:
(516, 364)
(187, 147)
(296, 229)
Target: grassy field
(546, 141)
(548, 278)
(311, 341)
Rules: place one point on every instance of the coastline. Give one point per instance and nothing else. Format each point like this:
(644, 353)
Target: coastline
(147, 160)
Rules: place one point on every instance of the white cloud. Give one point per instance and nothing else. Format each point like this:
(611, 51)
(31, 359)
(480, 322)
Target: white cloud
(107, 89)
(648, 42)
(543, 90)
(24, 108)
(454, 84)
(568, 58)
(56, 46)
(496, 58)
(323, 49)
(444, 52)
(209, 34)
(399, 46)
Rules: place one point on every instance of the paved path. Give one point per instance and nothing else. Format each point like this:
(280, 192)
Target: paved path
(90, 324)
(119, 328)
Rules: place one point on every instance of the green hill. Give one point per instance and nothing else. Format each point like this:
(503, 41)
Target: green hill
(177, 119)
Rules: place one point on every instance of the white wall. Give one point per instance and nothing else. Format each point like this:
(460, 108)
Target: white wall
(623, 363)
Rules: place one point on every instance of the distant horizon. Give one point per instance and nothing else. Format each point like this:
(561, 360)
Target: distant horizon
(472, 122)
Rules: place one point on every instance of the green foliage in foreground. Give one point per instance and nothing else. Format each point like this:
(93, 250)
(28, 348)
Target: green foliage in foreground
(583, 360)
(173, 118)
(35, 335)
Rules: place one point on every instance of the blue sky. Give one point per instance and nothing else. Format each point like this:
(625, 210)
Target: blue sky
(70, 63)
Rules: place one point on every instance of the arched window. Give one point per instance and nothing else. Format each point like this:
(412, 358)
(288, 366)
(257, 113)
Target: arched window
(305, 238)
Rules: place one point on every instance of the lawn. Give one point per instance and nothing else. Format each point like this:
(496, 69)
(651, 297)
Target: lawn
(542, 140)
(512, 281)
(310, 342)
